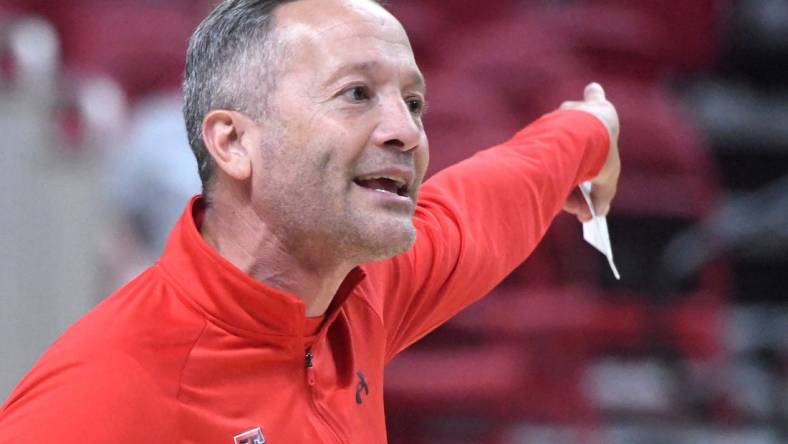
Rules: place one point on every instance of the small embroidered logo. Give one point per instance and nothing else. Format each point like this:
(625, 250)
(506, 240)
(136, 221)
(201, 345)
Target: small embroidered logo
(361, 386)
(254, 436)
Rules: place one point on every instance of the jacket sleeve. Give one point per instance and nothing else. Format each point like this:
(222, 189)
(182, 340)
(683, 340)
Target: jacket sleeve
(479, 219)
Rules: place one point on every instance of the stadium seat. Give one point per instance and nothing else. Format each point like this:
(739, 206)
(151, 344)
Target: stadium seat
(669, 171)
(141, 46)
(519, 62)
(461, 120)
(691, 41)
(644, 40)
(464, 380)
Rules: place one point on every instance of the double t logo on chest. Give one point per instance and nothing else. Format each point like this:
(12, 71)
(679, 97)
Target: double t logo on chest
(254, 436)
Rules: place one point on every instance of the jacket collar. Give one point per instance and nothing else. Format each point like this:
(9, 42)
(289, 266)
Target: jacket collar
(230, 297)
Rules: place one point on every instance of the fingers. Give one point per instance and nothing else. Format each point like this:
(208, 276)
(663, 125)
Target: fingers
(602, 196)
(606, 182)
(577, 206)
(594, 93)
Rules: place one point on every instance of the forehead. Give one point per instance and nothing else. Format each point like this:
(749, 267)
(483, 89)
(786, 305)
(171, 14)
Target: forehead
(329, 34)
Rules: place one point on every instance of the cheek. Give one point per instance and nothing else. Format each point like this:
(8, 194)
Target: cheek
(323, 162)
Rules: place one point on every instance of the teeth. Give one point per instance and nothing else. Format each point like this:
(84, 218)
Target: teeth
(397, 180)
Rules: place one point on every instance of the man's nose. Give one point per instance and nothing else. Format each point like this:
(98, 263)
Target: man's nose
(398, 127)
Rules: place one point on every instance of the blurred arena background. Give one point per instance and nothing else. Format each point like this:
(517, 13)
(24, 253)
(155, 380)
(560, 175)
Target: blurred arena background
(690, 347)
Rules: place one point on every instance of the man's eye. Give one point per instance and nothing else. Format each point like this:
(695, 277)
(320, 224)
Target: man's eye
(357, 93)
(416, 105)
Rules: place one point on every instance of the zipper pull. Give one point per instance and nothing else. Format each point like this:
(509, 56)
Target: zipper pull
(310, 371)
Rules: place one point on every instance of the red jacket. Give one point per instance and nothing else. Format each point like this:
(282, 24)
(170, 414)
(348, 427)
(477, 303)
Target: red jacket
(194, 350)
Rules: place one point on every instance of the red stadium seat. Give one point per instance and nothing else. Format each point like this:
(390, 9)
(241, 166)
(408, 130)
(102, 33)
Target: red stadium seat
(644, 40)
(454, 124)
(519, 61)
(691, 41)
(141, 46)
(466, 380)
(487, 84)
(525, 361)
(668, 169)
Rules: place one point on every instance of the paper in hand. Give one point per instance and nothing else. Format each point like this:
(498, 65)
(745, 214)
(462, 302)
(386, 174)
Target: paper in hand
(595, 231)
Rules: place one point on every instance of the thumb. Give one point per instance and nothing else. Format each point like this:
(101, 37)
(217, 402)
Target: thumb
(594, 93)
(602, 196)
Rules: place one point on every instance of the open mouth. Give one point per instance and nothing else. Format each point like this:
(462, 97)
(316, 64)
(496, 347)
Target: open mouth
(386, 184)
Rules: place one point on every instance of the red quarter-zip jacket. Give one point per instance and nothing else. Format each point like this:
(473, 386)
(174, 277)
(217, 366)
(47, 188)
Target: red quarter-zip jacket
(195, 351)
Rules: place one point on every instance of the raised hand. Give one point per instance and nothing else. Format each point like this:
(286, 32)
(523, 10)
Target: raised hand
(606, 183)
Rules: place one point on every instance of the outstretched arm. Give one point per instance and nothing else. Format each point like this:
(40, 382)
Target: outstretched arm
(478, 220)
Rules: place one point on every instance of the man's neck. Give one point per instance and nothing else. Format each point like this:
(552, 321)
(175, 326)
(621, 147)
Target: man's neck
(239, 235)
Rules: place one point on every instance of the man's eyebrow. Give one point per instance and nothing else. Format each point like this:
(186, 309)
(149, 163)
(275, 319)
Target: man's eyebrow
(415, 79)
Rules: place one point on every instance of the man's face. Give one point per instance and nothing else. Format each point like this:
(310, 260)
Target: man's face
(342, 149)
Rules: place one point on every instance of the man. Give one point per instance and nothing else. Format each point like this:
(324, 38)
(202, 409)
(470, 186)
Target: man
(307, 264)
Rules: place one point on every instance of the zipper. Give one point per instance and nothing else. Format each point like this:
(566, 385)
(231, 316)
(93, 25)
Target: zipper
(310, 380)
(310, 371)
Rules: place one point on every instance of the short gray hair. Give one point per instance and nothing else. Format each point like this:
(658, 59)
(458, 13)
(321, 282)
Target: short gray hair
(233, 47)
(229, 50)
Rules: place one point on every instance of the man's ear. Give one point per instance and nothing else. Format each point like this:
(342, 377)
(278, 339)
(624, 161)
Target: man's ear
(223, 133)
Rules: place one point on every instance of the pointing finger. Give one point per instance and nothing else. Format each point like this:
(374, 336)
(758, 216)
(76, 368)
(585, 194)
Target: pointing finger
(594, 92)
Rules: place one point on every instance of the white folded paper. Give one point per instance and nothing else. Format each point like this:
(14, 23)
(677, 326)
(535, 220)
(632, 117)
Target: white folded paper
(595, 231)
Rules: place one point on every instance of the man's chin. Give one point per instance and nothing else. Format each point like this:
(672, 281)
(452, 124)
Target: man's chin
(397, 240)
(401, 247)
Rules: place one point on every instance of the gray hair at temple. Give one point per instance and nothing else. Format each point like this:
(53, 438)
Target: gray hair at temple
(230, 64)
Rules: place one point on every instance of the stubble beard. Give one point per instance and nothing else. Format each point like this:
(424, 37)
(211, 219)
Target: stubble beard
(383, 240)
(324, 231)
(356, 236)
